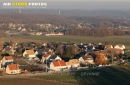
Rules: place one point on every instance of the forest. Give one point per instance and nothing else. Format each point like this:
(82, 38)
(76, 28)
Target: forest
(70, 25)
(97, 32)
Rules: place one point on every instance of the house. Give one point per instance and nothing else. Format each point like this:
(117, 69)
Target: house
(119, 46)
(40, 52)
(29, 54)
(13, 69)
(86, 59)
(54, 58)
(12, 51)
(39, 33)
(68, 64)
(23, 30)
(45, 57)
(108, 46)
(44, 44)
(7, 60)
(36, 52)
(6, 49)
(62, 64)
(115, 51)
(1, 62)
(1, 47)
(58, 65)
(52, 33)
(74, 63)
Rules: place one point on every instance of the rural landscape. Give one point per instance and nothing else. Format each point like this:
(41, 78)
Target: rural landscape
(65, 44)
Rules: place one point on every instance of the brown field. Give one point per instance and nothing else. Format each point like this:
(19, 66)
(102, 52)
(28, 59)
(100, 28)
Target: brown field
(28, 81)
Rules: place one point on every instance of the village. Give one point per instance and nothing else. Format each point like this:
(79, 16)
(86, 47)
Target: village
(31, 57)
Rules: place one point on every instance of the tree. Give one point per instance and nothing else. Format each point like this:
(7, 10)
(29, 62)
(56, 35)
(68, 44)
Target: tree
(59, 50)
(74, 50)
(67, 54)
(127, 54)
(100, 59)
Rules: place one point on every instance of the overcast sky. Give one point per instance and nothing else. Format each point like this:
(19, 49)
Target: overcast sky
(82, 4)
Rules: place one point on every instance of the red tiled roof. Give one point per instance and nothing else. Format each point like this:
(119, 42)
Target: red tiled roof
(1, 47)
(13, 66)
(8, 57)
(62, 63)
(45, 55)
(56, 63)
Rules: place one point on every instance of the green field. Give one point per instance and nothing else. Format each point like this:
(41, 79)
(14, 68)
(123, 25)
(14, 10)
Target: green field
(125, 39)
(112, 39)
(117, 75)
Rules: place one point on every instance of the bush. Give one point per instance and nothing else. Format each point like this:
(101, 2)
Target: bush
(82, 65)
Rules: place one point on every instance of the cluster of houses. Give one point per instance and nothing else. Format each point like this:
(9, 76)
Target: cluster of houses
(21, 28)
(46, 33)
(54, 62)
(8, 64)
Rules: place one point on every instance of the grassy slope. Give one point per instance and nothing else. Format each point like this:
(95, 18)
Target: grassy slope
(118, 75)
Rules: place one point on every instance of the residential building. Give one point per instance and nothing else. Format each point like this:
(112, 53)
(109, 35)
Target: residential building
(7, 60)
(29, 54)
(86, 59)
(74, 63)
(119, 46)
(58, 65)
(13, 69)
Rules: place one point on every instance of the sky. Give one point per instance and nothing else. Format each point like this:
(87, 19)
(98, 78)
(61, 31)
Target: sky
(82, 4)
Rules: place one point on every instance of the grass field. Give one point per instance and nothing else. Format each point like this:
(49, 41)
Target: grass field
(112, 39)
(118, 75)
(125, 39)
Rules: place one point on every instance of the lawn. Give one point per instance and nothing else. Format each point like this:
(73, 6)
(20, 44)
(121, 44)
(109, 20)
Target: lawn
(117, 75)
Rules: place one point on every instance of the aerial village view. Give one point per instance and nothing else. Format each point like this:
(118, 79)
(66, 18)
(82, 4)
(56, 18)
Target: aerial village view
(65, 42)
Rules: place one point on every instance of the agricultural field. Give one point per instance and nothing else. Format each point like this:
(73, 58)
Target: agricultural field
(116, 75)
(28, 81)
(125, 39)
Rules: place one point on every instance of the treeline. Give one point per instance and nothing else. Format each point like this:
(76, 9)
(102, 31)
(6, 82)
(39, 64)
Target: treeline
(101, 21)
(97, 32)
(68, 22)
(29, 19)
